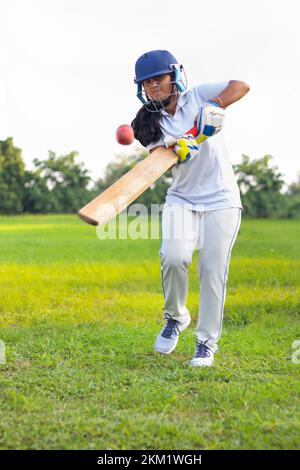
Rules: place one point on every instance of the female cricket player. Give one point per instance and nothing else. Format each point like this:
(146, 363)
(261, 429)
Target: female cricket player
(203, 208)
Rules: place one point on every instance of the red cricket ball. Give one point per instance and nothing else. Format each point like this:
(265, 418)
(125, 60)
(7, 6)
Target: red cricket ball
(125, 134)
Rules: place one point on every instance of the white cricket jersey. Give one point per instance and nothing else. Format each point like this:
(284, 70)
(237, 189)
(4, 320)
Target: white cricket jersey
(208, 180)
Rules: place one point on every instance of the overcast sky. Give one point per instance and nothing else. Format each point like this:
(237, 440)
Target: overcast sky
(67, 69)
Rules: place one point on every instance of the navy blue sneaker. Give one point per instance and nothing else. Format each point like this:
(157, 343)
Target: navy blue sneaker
(167, 339)
(204, 356)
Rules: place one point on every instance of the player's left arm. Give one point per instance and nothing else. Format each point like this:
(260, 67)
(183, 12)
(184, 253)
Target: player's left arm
(232, 93)
(210, 119)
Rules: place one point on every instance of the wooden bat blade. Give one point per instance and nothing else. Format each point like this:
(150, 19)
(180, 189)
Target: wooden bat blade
(127, 188)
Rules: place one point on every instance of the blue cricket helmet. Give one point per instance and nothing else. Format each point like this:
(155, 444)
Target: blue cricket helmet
(154, 63)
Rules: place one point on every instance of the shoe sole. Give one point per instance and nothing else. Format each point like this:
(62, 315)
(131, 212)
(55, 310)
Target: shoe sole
(200, 365)
(165, 352)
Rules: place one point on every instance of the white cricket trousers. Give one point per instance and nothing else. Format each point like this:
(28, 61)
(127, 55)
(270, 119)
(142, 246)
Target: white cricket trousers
(213, 233)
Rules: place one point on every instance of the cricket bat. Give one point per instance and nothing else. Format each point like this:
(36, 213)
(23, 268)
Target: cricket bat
(126, 189)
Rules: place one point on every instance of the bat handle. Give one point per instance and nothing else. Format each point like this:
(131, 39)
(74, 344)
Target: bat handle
(194, 132)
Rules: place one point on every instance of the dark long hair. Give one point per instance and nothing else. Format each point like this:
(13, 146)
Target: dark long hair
(146, 126)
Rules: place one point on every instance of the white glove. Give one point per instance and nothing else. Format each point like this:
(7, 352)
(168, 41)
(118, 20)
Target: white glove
(185, 147)
(210, 119)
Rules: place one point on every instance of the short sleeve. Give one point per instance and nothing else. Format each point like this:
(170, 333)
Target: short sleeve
(208, 90)
(155, 144)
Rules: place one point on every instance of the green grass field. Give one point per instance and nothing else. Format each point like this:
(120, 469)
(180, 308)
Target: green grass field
(79, 317)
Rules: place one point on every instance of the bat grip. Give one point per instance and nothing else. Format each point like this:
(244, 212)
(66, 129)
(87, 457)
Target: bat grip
(194, 132)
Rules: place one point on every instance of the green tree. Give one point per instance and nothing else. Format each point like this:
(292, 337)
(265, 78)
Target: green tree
(37, 198)
(11, 177)
(294, 188)
(293, 198)
(260, 186)
(58, 184)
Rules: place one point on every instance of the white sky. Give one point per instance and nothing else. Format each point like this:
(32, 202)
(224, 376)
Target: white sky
(67, 69)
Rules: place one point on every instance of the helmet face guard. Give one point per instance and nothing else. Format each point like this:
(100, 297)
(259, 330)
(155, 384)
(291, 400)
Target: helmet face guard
(153, 64)
(179, 81)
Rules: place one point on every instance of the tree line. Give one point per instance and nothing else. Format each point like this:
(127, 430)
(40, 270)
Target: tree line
(61, 184)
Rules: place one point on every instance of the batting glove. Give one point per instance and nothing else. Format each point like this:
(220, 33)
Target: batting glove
(186, 147)
(210, 120)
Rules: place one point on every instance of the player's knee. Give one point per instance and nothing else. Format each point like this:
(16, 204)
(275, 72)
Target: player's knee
(175, 259)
